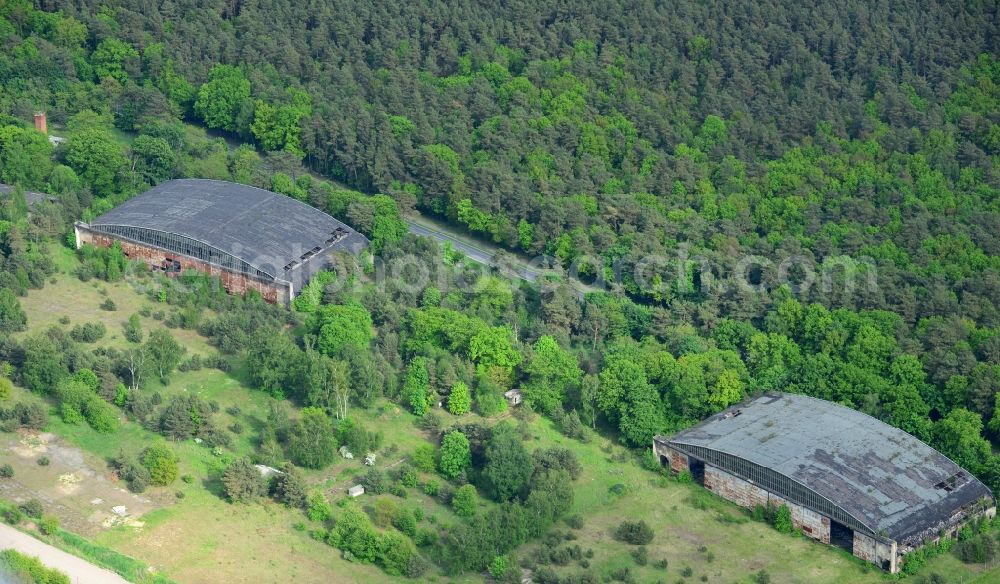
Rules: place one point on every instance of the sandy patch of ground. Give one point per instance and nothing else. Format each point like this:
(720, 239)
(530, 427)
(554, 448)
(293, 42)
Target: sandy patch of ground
(78, 488)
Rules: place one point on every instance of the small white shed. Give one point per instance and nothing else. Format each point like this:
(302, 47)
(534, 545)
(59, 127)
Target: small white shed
(356, 491)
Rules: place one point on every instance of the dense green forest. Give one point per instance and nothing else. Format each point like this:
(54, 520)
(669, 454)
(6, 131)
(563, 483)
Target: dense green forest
(864, 135)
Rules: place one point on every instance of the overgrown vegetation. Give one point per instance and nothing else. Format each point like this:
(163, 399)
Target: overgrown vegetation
(600, 136)
(17, 567)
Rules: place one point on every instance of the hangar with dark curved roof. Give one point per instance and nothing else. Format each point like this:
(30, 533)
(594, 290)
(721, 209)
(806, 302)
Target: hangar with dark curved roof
(847, 478)
(252, 238)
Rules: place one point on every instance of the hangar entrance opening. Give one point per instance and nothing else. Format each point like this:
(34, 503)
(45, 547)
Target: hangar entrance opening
(697, 468)
(841, 536)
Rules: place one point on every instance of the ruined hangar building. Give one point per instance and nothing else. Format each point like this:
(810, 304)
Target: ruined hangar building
(251, 238)
(848, 479)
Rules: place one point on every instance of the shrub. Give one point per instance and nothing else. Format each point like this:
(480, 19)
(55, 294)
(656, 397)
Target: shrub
(289, 487)
(374, 482)
(640, 555)
(24, 568)
(546, 575)
(498, 567)
(109, 305)
(416, 565)
(558, 459)
(399, 489)
(560, 556)
(455, 455)
(408, 477)
(430, 422)
(162, 464)
(241, 481)
(102, 416)
(13, 516)
(31, 416)
(783, 519)
(70, 414)
(425, 537)
(49, 525)
(385, 512)
(406, 522)
(635, 533)
(423, 457)
(6, 471)
(32, 508)
(464, 501)
(618, 490)
(573, 427)
(460, 400)
(43, 461)
(130, 470)
(623, 574)
(357, 438)
(88, 333)
(318, 508)
(976, 550)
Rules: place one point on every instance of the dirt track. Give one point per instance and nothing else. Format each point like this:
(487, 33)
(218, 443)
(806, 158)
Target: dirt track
(80, 571)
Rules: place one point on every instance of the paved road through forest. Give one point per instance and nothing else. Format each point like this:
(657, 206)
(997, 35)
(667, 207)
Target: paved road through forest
(484, 253)
(474, 251)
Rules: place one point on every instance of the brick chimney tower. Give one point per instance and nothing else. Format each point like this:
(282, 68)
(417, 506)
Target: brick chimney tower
(40, 124)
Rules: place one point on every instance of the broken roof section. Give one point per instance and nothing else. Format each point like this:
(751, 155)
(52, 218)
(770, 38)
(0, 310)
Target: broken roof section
(272, 232)
(887, 479)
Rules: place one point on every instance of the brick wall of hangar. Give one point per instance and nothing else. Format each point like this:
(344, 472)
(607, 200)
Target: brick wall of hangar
(233, 282)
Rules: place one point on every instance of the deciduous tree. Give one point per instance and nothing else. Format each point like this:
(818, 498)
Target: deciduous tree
(224, 101)
(459, 400)
(311, 442)
(455, 456)
(552, 373)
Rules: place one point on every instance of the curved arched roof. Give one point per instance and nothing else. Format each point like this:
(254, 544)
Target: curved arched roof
(272, 233)
(889, 480)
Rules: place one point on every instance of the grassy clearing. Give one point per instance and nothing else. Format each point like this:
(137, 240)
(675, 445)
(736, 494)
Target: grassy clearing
(199, 538)
(697, 530)
(66, 297)
(129, 568)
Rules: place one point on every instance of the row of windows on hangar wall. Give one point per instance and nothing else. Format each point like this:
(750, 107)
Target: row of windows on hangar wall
(773, 482)
(183, 245)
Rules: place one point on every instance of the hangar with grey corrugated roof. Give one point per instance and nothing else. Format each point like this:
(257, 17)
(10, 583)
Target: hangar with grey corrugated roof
(848, 479)
(251, 238)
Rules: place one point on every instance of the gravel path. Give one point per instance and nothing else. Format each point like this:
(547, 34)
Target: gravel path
(80, 571)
